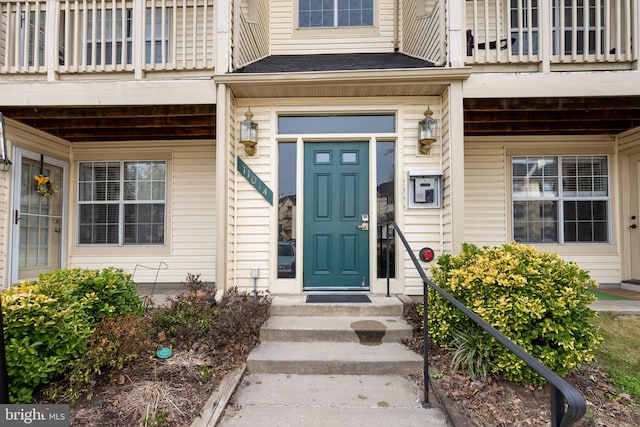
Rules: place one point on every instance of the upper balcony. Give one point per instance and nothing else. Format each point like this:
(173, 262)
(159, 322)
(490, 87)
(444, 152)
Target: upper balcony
(56, 39)
(551, 35)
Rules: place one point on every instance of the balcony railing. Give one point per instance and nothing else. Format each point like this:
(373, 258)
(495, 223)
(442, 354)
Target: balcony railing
(552, 33)
(78, 36)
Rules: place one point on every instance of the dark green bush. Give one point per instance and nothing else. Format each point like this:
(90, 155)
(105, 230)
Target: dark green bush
(536, 299)
(190, 314)
(47, 322)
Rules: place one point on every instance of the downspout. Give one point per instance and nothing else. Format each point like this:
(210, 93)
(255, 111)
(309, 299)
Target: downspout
(396, 27)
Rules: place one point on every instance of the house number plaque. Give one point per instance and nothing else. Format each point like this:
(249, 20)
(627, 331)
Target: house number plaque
(254, 180)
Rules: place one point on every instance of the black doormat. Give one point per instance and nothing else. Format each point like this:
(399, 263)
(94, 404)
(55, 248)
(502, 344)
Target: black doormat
(331, 298)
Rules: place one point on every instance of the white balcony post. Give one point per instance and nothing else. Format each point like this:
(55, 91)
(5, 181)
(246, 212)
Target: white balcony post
(138, 39)
(457, 45)
(635, 31)
(545, 35)
(51, 38)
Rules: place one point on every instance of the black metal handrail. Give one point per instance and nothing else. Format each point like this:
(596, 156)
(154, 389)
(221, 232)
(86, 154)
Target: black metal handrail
(561, 391)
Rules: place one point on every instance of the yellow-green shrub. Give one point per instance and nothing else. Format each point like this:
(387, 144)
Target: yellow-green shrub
(536, 299)
(47, 322)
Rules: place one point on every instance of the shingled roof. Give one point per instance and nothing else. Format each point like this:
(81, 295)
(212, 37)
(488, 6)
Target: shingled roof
(333, 62)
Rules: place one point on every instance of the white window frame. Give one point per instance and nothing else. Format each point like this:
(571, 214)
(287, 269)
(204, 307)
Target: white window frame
(122, 202)
(560, 198)
(336, 18)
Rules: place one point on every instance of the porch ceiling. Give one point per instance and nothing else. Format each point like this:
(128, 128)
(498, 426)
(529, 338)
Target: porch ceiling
(551, 116)
(120, 123)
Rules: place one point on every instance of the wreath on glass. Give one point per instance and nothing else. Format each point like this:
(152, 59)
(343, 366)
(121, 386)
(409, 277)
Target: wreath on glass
(44, 186)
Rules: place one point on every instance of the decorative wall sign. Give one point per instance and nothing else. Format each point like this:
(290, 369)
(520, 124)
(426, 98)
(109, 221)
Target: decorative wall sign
(254, 180)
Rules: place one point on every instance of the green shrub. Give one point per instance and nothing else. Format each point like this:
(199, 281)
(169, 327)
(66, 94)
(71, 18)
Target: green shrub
(48, 321)
(108, 293)
(43, 334)
(536, 299)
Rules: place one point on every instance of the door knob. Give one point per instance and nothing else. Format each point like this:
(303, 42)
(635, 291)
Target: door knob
(634, 226)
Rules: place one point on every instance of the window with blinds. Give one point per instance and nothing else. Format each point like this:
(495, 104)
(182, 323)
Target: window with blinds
(122, 203)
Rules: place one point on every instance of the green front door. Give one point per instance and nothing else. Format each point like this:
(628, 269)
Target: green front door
(336, 204)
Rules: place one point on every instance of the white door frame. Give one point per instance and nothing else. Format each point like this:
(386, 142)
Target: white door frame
(632, 226)
(18, 155)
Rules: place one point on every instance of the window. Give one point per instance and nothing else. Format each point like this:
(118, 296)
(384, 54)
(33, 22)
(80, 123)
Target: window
(122, 203)
(560, 199)
(287, 210)
(386, 207)
(335, 13)
(294, 125)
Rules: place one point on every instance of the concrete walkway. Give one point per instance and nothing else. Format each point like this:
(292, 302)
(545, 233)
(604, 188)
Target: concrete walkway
(286, 400)
(617, 306)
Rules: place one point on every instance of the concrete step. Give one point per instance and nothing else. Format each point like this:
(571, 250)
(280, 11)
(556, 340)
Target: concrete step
(295, 305)
(370, 329)
(333, 358)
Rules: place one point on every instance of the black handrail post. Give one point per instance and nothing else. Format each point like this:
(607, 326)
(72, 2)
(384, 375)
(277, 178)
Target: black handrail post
(388, 260)
(557, 406)
(425, 336)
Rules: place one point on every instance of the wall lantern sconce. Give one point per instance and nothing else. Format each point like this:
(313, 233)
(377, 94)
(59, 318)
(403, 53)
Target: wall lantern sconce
(249, 134)
(5, 163)
(427, 131)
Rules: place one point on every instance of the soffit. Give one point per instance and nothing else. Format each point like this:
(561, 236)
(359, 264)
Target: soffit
(360, 83)
(119, 123)
(551, 116)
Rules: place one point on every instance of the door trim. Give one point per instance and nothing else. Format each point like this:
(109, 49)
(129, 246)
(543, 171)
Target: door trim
(627, 222)
(14, 243)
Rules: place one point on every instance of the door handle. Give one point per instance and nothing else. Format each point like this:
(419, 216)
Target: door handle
(634, 226)
(365, 222)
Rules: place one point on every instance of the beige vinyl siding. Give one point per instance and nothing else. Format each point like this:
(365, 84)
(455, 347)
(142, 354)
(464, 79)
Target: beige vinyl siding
(421, 27)
(251, 32)
(252, 212)
(190, 244)
(285, 38)
(486, 187)
(488, 197)
(231, 224)
(253, 243)
(603, 265)
(421, 227)
(445, 156)
(5, 224)
(629, 142)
